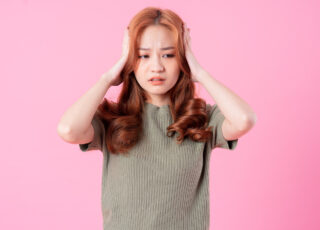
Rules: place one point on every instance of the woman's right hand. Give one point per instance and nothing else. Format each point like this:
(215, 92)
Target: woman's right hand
(113, 75)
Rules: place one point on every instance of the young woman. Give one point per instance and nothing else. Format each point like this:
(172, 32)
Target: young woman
(157, 139)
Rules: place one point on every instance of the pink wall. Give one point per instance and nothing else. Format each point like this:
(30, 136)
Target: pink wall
(266, 51)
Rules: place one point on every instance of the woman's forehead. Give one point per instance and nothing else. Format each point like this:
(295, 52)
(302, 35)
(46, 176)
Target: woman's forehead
(158, 36)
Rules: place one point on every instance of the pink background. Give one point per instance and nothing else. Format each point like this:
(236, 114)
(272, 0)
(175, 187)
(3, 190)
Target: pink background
(267, 52)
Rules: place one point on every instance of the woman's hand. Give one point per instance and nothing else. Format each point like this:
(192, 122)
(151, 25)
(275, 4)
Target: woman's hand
(113, 75)
(193, 64)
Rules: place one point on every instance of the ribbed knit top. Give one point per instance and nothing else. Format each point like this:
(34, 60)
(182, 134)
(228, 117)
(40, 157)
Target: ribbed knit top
(159, 185)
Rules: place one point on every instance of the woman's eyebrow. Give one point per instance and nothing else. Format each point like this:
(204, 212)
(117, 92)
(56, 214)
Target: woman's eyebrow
(165, 48)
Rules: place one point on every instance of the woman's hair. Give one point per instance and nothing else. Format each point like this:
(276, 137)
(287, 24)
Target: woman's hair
(123, 120)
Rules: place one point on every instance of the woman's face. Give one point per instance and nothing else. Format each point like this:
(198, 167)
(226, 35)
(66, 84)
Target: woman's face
(157, 58)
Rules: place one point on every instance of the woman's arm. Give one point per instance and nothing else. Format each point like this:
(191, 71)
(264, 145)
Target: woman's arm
(74, 125)
(238, 113)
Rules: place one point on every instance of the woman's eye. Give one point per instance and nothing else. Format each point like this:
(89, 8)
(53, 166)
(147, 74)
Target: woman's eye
(169, 55)
(142, 56)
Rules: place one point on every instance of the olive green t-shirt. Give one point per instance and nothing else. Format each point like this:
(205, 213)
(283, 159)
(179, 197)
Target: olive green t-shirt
(160, 184)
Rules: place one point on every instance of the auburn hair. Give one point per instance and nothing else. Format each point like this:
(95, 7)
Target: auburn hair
(123, 120)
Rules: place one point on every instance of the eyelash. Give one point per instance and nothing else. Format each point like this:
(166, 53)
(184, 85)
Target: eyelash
(170, 55)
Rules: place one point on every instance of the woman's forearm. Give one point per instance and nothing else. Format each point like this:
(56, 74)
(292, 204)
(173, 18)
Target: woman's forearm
(235, 109)
(77, 118)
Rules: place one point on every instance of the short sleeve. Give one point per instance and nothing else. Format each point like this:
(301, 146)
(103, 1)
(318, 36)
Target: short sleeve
(216, 119)
(99, 136)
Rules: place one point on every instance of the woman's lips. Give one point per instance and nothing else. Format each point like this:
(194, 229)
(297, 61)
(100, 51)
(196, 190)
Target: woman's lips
(157, 82)
(156, 78)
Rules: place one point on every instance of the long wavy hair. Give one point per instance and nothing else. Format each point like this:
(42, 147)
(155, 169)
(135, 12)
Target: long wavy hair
(123, 120)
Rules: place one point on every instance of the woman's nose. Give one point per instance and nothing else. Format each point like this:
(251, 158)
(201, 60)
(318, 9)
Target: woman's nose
(156, 64)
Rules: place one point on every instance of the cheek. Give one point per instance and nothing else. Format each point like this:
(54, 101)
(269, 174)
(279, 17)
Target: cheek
(175, 67)
(139, 80)
(140, 70)
(176, 71)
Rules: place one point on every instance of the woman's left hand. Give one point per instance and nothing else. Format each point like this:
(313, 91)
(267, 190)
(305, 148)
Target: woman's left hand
(193, 63)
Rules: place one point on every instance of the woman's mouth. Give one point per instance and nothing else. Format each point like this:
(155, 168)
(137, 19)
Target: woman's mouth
(157, 81)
